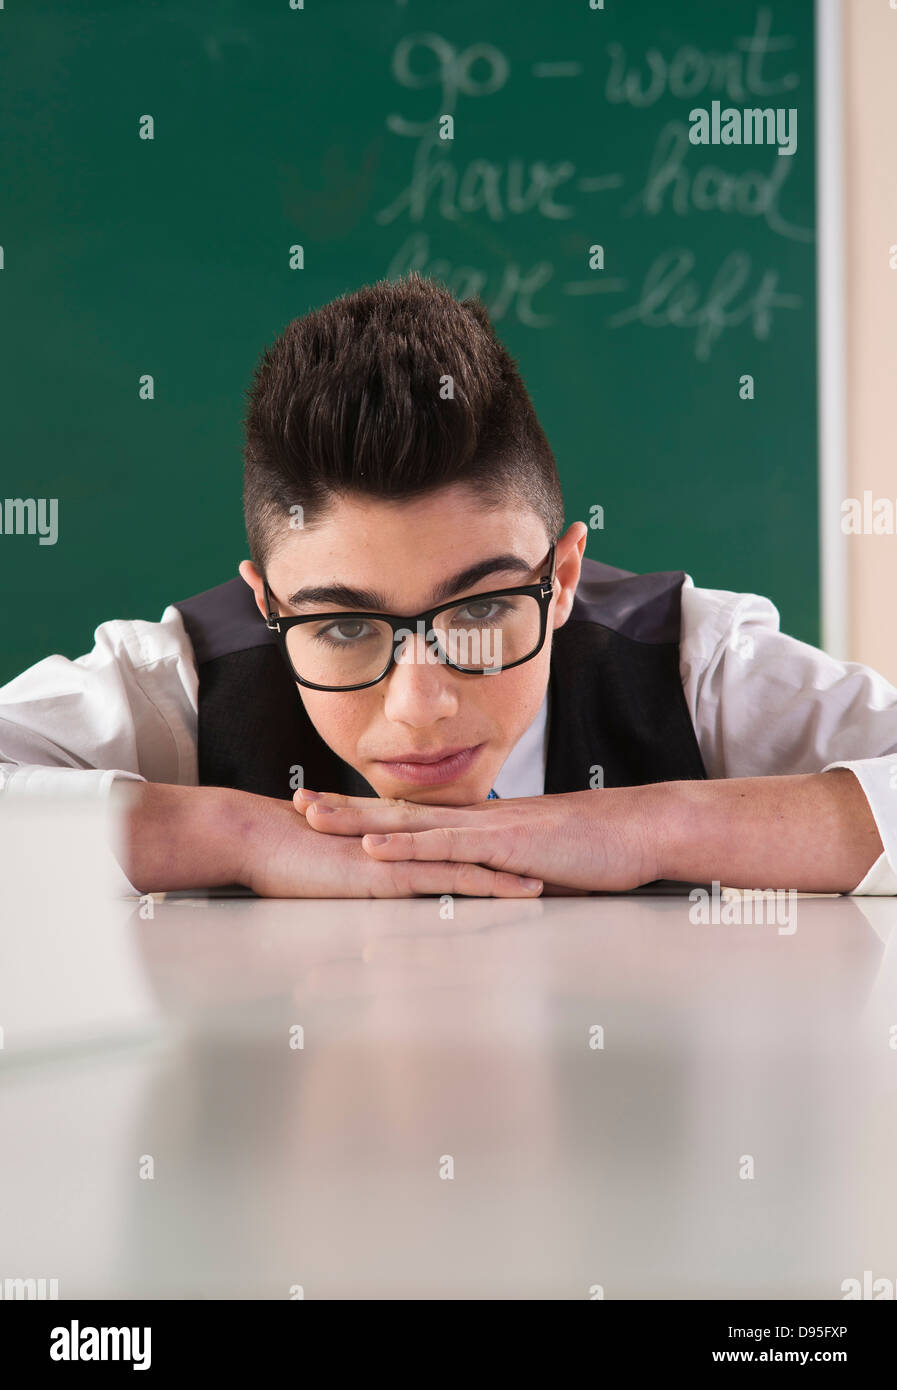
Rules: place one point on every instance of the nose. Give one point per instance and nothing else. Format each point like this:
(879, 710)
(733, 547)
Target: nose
(420, 689)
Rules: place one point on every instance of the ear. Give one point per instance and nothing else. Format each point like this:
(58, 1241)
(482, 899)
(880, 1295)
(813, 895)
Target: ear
(568, 566)
(253, 578)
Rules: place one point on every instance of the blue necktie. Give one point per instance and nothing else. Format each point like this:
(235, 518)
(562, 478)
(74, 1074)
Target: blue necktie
(493, 796)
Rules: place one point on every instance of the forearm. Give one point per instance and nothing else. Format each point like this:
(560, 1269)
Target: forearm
(184, 837)
(814, 833)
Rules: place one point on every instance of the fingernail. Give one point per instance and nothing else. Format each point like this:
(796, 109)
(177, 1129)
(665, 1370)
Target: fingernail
(307, 795)
(323, 810)
(530, 883)
(377, 839)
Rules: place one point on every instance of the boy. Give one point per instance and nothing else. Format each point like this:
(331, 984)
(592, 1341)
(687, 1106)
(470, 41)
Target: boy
(419, 685)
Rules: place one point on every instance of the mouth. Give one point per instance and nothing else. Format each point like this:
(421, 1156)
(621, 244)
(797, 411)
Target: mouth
(430, 769)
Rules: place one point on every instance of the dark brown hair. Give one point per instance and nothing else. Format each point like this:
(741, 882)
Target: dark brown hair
(348, 400)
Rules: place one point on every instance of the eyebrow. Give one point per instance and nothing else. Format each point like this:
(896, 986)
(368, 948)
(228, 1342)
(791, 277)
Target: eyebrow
(371, 600)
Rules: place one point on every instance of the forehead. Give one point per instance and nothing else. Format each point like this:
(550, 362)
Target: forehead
(458, 507)
(404, 551)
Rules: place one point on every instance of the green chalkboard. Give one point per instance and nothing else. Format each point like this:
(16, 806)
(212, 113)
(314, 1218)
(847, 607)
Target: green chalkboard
(321, 127)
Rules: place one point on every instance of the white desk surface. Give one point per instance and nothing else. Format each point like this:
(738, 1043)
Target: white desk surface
(574, 1166)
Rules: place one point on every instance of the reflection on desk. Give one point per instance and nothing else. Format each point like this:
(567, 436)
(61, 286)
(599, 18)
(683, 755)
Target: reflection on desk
(560, 1098)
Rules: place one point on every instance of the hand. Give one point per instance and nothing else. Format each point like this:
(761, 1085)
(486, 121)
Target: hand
(574, 841)
(284, 858)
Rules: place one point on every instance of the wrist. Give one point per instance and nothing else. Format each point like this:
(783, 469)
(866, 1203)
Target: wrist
(173, 837)
(254, 826)
(664, 817)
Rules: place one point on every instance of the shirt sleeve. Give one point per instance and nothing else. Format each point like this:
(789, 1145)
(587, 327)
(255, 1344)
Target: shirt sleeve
(127, 710)
(766, 704)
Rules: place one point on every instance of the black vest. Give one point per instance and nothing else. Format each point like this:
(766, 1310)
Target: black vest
(616, 699)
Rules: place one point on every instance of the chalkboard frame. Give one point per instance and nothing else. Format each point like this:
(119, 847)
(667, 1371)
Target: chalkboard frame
(831, 328)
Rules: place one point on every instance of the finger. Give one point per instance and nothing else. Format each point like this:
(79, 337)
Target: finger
(305, 797)
(403, 880)
(458, 844)
(454, 846)
(381, 817)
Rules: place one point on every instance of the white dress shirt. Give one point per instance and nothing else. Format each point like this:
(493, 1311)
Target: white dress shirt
(761, 703)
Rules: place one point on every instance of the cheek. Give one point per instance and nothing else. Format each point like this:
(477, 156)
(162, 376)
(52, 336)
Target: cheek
(522, 689)
(340, 719)
(509, 702)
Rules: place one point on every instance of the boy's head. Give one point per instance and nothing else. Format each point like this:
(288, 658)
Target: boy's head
(390, 446)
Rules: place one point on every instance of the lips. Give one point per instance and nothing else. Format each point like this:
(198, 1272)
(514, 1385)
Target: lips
(430, 769)
(427, 757)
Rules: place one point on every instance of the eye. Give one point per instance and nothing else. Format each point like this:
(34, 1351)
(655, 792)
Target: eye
(490, 610)
(344, 632)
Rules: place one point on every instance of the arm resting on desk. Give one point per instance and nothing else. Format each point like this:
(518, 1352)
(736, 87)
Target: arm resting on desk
(815, 832)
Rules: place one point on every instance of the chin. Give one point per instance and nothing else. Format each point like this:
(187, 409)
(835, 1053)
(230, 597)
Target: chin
(451, 795)
(459, 793)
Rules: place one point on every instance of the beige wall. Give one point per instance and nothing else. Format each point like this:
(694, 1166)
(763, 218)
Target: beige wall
(870, 188)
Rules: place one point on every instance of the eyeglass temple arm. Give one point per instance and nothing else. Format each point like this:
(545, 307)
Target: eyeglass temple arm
(549, 578)
(271, 621)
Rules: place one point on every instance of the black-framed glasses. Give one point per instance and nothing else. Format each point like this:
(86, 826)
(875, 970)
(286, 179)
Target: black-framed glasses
(479, 635)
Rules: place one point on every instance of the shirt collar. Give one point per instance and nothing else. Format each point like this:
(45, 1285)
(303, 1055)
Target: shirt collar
(523, 770)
